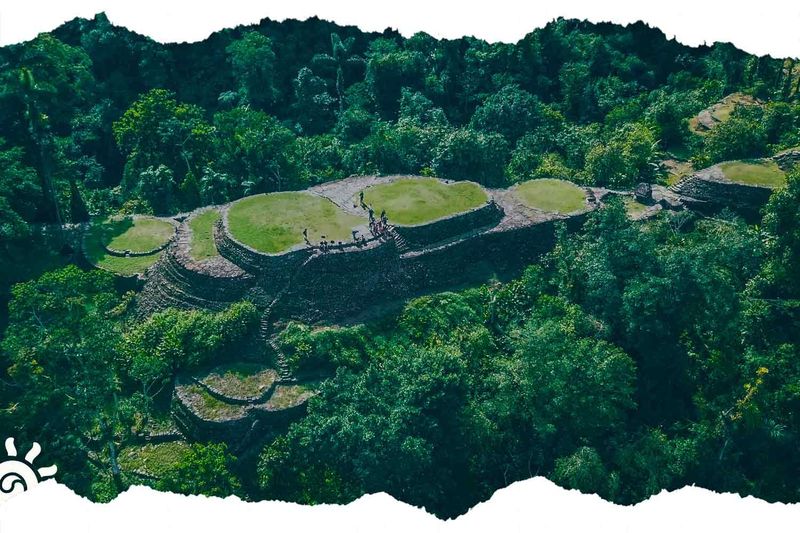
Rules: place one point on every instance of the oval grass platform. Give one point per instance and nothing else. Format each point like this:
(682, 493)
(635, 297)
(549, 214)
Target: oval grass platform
(758, 173)
(413, 201)
(139, 235)
(274, 223)
(551, 195)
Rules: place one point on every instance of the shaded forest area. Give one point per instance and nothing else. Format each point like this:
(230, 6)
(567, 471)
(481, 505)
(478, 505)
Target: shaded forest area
(633, 357)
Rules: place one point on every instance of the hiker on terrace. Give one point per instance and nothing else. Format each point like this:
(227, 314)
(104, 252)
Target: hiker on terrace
(361, 200)
(305, 237)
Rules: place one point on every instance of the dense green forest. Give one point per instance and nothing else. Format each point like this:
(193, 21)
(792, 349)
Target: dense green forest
(633, 357)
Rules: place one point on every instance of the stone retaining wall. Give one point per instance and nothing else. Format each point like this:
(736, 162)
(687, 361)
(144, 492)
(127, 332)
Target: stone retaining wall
(787, 159)
(336, 284)
(420, 235)
(712, 187)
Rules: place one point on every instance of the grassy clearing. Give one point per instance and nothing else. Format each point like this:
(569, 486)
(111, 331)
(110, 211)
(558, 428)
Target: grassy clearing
(761, 173)
(719, 112)
(137, 235)
(202, 245)
(412, 201)
(555, 196)
(153, 459)
(212, 408)
(634, 208)
(125, 266)
(286, 396)
(274, 223)
(241, 380)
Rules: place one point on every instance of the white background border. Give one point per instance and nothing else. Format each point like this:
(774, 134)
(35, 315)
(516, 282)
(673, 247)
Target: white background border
(761, 27)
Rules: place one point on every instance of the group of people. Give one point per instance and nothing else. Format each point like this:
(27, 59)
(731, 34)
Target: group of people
(377, 227)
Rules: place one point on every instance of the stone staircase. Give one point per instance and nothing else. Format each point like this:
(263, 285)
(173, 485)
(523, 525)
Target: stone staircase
(399, 241)
(686, 183)
(265, 325)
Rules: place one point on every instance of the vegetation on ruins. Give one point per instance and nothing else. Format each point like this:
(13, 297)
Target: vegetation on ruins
(275, 222)
(636, 355)
(552, 195)
(202, 224)
(416, 201)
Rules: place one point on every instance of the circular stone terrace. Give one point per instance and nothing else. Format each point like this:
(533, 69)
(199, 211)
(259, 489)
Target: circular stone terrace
(759, 173)
(418, 201)
(274, 223)
(127, 245)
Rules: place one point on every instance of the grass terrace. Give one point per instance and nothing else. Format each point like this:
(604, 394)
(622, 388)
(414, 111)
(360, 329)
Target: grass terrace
(137, 235)
(211, 408)
(241, 380)
(554, 196)
(202, 244)
(633, 208)
(760, 173)
(274, 223)
(286, 396)
(412, 201)
(721, 111)
(153, 459)
(140, 234)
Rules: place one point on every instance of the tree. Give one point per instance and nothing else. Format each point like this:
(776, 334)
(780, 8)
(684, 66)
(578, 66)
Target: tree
(627, 158)
(158, 131)
(60, 345)
(341, 65)
(313, 104)
(583, 470)
(511, 112)
(206, 469)
(253, 64)
(563, 386)
(156, 349)
(393, 427)
(741, 136)
(257, 149)
(389, 69)
(467, 154)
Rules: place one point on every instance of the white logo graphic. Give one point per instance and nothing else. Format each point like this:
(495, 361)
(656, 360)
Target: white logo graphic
(18, 475)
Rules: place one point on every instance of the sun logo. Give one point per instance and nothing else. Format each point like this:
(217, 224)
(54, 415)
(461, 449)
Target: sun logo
(18, 475)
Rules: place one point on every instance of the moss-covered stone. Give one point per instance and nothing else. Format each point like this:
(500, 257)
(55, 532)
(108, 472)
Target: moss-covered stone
(240, 381)
(152, 460)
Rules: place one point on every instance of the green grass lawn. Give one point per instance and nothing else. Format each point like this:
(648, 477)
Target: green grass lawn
(762, 173)
(286, 396)
(212, 408)
(633, 208)
(555, 196)
(153, 459)
(137, 235)
(202, 245)
(107, 232)
(413, 201)
(241, 380)
(274, 222)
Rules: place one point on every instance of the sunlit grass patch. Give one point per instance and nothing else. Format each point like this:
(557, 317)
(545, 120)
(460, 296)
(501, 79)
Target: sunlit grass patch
(411, 201)
(761, 173)
(274, 222)
(555, 196)
(138, 235)
(153, 459)
(202, 244)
